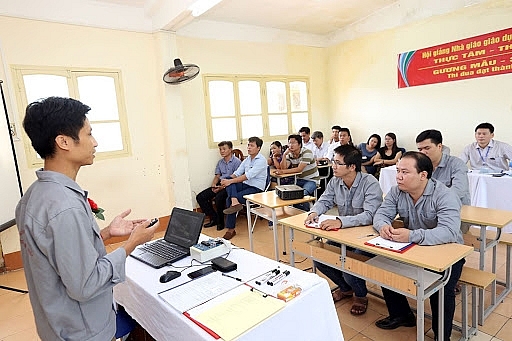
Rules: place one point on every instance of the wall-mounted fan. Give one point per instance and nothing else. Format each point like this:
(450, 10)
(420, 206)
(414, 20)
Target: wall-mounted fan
(180, 72)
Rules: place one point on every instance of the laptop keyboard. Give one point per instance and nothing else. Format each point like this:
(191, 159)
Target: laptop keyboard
(163, 249)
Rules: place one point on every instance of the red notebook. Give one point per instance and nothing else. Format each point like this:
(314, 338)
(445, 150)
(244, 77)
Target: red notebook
(202, 326)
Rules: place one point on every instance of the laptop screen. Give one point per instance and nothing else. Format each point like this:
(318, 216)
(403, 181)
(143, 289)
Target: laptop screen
(184, 227)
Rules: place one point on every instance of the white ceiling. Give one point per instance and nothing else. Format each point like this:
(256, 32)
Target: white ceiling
(313, 22)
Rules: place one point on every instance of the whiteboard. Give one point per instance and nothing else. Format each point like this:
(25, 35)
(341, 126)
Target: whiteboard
(9, 189)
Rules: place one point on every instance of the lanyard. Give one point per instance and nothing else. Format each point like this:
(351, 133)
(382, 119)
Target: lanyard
(484, 161)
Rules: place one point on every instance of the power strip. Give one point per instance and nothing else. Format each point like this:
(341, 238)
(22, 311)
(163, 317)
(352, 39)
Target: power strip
(209, 249)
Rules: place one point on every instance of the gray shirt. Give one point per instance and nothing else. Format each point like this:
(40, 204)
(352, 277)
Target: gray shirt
(453, 173)
(434, 219)
(357, 205)
(69, 274)
(225, 169)
(495, 155)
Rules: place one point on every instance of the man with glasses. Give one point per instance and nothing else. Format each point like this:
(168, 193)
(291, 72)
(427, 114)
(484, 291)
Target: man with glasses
(358, 196)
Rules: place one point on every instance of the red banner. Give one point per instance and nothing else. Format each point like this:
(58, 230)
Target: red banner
(485, 55)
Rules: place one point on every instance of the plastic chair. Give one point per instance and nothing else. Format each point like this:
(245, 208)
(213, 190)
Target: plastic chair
(239, 154)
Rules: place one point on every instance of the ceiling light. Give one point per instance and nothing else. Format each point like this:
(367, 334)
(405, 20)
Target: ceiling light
(201, 6)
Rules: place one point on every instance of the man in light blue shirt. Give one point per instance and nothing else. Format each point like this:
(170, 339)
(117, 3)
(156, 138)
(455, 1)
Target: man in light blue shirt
(249, 178)
(430, 212)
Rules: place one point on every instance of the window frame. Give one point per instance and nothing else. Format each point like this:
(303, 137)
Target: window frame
(262, 80)
(72, 75)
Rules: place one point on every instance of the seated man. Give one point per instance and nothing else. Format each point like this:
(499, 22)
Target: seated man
(225, 167)
(431, 215)
(249, 178)
(487, 153)
(307, 142)
(297, 159)
(358, 196)
(333, 142)
(320, 147)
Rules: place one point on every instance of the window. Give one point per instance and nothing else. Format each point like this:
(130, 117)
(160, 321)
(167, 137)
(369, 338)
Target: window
(99, 89)
(238, 107)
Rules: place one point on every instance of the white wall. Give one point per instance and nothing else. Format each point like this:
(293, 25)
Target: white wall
(363, 91)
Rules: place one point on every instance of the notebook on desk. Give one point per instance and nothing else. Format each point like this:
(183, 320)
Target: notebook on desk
(182, 232)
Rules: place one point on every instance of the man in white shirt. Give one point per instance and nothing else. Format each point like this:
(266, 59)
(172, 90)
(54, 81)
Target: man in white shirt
(307, 142)
(319, 146)
(487, 153)
(333, 142)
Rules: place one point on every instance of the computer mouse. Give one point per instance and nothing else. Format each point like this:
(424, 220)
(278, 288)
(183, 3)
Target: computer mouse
(169, 276)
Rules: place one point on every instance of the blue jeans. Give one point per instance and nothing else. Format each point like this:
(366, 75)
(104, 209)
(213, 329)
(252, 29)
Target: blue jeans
(237, 190)
(344, 281)
(309, 189)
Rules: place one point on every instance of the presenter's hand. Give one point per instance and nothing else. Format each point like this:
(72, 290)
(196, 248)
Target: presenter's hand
(330, 224)
(122, 227)
(311, 218)
(401, 235)
(140, 234)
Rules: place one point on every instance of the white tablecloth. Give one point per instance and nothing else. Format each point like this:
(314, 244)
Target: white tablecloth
(310, 316)
(486, 190)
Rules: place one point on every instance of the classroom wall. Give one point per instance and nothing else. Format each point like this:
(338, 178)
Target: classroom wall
(363, 91)
(141, 181)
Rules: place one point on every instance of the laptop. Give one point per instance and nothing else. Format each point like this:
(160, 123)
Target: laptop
(182, 232)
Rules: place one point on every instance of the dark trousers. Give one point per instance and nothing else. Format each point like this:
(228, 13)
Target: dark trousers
(237, 190)
(398, 306)
(204, 199)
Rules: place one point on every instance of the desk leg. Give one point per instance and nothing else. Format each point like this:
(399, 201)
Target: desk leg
(420, 306)
(284, 241)
(292, 252)
(481, 296)
(249, 223)
(274, 229)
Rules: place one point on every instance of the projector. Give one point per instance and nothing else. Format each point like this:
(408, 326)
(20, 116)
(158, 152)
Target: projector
(290, 192)
(209, 249)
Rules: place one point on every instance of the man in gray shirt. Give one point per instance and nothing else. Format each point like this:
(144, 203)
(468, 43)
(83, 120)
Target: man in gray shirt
(69, 274)
(431, 215)
(358, 196)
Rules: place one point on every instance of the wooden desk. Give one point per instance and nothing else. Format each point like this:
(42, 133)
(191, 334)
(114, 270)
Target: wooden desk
(280, 176)
(271, 207)
(438, 258)
(488, 217)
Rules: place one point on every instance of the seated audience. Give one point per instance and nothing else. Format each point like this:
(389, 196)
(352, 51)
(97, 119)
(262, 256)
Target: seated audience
(369, 150)
(389, 154)
(225, 167)
(320, 147)
(487, 153)
(358, 196)
(431, 215)
(307, 142)
(274, 162)
(249, 178)
(299, 159)
(333, 142)
(345, 137)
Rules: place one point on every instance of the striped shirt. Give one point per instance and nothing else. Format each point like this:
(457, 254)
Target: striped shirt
(305, 156)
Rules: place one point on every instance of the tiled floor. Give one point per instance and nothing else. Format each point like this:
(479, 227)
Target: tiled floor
(17, 322)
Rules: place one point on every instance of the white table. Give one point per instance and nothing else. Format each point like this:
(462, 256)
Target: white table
(485, 190)
(310, 316)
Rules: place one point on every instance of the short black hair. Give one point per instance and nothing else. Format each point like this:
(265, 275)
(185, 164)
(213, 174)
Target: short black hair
(226, 143)
(338, 128)
(48, 118)
(485, 125)
(257, 140)
(351, 155)
(434, 135)
(423, 162)
(305, 130)
(379, 140)
(296, 137)
(317, 135)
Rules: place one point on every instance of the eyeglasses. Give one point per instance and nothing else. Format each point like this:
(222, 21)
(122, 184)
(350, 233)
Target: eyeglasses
(337, 163)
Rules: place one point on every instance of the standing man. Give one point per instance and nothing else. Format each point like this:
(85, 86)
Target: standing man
(297, 159)
(487, 153)
(69, 274)
(225, 167)
(358, 196)
(319, 146)
(249, 178)
(307, 142)
(431, 215)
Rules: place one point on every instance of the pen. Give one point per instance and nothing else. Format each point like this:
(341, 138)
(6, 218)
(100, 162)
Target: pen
(369, 235)
(387, 246)
(266, 276)
(235, 278)
(278, 278)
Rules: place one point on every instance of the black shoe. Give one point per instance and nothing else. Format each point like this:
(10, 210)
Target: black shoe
(395, 322)
(210, 224)
(220, 227)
